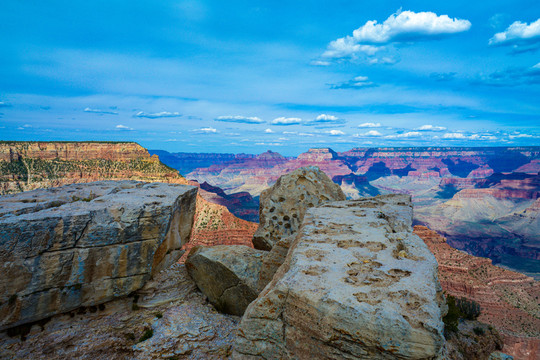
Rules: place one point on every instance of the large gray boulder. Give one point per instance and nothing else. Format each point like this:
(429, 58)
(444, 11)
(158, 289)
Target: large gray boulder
(282, 207)
(356, 284)
(226, 274)
(85, 244)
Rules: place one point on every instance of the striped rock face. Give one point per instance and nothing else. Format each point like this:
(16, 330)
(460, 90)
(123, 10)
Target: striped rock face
(356, 284)
(85, 244)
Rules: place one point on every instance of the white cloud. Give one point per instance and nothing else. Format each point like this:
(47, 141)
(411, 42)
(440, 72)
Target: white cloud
(320, 63)
(326, 117)
(518, 31)
(123, 127)
(369, 125)
(537, 66)
(401, 26)
(410, 134)
(482, 137)
(268, 131)
(357, 82)
(335, 132)
(454, 136)
(520, 136)
(269, 144)
(240, 119)
(305, 134)
(430, 128)
(369, 133)
(162, 114)
(286, 121)
(205, 130)
(98, 111)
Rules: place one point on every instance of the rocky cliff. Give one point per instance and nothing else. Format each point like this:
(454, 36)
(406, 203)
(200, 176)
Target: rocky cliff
(85, 244)
(32, 165)
(509, 300)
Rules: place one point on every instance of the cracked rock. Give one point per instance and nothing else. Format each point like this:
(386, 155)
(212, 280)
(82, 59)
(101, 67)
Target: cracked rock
(86, 244)
(227, 275)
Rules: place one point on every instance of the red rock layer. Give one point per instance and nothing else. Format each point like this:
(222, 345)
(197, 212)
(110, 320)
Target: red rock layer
(509, 300)
(72, 151)
(215, 225)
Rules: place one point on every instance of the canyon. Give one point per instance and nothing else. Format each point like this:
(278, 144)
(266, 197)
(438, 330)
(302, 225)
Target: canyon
(484, 200)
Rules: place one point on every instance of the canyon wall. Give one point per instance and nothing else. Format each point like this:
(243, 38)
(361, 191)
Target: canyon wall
(33, 165)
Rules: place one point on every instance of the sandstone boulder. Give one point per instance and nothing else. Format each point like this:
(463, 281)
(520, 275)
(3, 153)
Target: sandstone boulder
(282, 207)
(356, 284)
(85, 244)
(226, 274)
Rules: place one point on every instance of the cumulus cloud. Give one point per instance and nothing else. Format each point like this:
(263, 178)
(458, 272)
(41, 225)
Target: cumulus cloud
(454, 136)
(358, 82)
(369, 133)
(335, 132)
(205, 130)
(162, 114)
(240, 119)
(99, 111)
(325, 119)
(430, 128)
(410, 134)
(517, 32)
(123, 127)
(268, 131)
(286, 121)
(399, 27)
(520, 136)
(369, 125)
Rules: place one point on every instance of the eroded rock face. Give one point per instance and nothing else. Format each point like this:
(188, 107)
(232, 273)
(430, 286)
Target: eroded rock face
(356, 284)
(226, 274)
(283, 205)
(85, 244)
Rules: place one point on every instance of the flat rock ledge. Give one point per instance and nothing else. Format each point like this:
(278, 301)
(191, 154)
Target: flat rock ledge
(85, 244)
(356, 284)
(227, 275)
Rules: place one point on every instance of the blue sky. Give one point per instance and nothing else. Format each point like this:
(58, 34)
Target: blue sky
(247, 76)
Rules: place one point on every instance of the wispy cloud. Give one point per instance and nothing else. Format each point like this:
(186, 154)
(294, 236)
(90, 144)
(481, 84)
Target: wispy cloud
(240, 119)
(443, 76)
(325, 119)
(511, 77)
(4, 104)
(369, 125)
(99, 111)
(518, 33)
(399, 27)
(286, 121)
(358, 82)
(320, 63)
(370, 133)
(205, 130)
(123, 127)
(335, 132)
(162, 114)
(410, 134)
(430, 128)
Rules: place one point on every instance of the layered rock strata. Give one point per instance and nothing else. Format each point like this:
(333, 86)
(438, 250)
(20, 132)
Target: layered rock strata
(356, 284)
(29, 165)
(282, 207)
(509, 300)
(85, 244)
(227, 275)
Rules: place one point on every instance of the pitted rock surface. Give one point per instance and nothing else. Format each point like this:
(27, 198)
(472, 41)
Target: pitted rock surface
(85, 244)
(226, 274)
(356, 284)
(282, 207)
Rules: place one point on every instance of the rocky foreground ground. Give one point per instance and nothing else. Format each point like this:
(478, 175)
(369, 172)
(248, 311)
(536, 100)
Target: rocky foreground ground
(345, 279)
